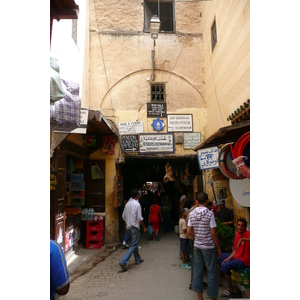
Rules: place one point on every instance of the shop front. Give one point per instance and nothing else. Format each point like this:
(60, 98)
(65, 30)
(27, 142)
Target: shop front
(79, 166)
(229, 179)
(160, 175)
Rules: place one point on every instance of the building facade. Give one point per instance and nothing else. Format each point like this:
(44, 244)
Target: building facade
(160, 98)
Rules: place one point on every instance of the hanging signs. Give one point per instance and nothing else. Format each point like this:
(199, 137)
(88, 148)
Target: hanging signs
(156, 110)
(108, 144)
(180, 123)
(191, 140)
(157, 143)
(158, 124)
(53, 180)
(208, 158)
(130, 143)
(131, 127)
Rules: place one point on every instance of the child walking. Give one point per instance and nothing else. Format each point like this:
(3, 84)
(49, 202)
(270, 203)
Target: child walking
(154, 214)
(183, 238)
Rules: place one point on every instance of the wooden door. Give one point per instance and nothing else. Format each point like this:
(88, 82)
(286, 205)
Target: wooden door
(58, 200)
(95, 189)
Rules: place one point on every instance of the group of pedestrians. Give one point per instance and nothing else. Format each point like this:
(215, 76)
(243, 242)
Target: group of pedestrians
(197, 229)
(206, 254)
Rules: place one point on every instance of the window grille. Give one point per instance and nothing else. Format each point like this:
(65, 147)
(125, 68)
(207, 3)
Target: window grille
(158, 93)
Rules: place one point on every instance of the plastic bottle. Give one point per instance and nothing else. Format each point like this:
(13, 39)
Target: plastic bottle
(89, 214)
(246, 279)
(82, 214)
(92, 214)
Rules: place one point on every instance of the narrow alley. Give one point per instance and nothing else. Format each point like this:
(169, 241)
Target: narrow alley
(160, 276)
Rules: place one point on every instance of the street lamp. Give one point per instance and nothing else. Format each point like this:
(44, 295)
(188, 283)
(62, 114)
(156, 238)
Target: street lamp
(154, 26)
(154, 30)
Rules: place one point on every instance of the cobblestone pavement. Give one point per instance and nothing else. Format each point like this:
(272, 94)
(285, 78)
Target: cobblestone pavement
(160, 276)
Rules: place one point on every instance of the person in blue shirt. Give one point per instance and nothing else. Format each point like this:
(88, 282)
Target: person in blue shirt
(59, 276)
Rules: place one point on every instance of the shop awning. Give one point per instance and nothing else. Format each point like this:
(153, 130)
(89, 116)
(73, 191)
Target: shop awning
(98, 123)
(225, 135)
(64, 9)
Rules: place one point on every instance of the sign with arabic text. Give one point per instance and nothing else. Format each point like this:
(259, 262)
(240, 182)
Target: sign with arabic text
(191, 140)
(157, 143)
(208, 158)
(180, 123)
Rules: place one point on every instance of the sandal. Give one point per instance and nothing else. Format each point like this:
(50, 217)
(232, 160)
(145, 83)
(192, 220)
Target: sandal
(226, 294)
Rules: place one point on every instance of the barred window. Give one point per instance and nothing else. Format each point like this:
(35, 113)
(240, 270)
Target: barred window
(213, 31)
(158, 93)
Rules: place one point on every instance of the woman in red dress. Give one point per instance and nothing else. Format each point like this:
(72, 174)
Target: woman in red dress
(154, 214)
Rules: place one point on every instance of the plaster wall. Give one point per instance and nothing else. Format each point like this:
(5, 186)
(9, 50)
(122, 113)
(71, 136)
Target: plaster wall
(227, 68)
(227, 72)
(120, 58)
(210, 85)
(111, 213)
(120, 69)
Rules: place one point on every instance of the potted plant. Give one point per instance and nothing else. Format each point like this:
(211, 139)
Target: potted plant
(225, 234)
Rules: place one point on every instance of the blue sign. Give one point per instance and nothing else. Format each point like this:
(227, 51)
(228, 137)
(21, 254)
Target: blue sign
(158, 124)
(208, 158)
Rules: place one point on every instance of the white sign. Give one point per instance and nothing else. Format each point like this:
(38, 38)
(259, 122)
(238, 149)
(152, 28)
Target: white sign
(191, 140)
(131, 127)
(208, 158)
(180, 123)
(157, 143)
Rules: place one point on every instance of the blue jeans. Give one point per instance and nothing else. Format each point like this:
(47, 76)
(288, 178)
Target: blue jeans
(209, 259)
(133, 249)
(229, 265)
(127, 237)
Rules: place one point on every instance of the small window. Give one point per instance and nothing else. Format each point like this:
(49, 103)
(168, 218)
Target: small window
(164, 9)
(213, 31)
(158, 93)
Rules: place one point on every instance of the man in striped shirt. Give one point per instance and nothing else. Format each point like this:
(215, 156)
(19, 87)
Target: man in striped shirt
(202, 226)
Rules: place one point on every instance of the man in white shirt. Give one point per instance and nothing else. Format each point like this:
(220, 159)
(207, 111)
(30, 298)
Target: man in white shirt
(132, 215)
(127, 236)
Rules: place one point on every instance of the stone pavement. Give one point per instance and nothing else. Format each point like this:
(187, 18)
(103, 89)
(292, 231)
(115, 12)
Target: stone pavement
(96, 274)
